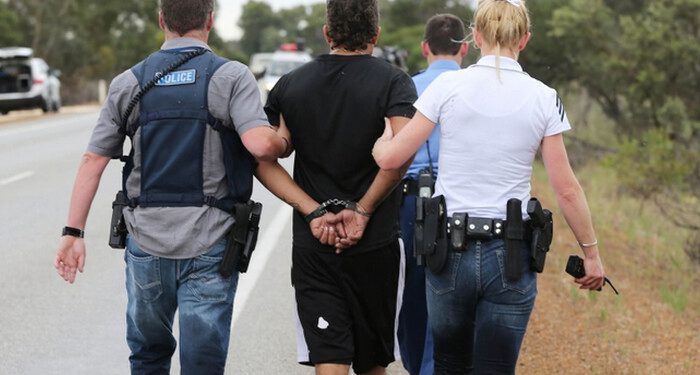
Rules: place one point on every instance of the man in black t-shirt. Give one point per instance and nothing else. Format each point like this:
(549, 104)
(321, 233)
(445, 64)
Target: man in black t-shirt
(345, 261)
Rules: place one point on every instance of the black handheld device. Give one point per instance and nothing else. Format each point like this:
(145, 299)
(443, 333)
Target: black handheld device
(575, 268)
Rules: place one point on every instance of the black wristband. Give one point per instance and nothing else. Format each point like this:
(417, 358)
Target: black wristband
(75, 232)
(320, 211)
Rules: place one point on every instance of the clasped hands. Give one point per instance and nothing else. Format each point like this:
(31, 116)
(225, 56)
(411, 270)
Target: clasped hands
(342, 230)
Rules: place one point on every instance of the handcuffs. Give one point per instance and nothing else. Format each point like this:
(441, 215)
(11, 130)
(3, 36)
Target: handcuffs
(335, 205)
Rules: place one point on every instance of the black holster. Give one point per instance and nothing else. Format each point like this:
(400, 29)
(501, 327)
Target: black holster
(117, 226)
(241, 238)
(431, 242)
(542, 233)
(514, 239)
(424, 190)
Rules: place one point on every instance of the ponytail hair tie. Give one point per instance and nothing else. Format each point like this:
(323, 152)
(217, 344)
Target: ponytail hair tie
(515, 2)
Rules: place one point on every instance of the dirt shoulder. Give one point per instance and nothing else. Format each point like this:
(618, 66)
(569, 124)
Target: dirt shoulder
(579, 332)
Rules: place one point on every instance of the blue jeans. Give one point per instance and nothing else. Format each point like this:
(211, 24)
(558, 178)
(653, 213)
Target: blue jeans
(156, 287)
(478, 317)
(415, 341)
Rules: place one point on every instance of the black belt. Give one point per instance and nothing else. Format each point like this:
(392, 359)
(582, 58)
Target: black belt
(479, 228)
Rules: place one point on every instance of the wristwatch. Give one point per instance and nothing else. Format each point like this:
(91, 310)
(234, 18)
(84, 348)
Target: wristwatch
(75, 232)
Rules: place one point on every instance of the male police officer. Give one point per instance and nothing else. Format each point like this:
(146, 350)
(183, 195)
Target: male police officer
(193, 134)
(444, 48)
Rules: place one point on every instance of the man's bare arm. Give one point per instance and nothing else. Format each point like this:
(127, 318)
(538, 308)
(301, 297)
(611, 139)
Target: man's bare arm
(385, 181)
(70, 256)
(280, 183)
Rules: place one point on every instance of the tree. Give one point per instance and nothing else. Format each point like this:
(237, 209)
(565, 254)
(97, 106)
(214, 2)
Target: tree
(256, 18)
(9, 27)
(640, 63)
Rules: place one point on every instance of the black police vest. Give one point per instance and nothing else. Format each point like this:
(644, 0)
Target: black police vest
(173, 118)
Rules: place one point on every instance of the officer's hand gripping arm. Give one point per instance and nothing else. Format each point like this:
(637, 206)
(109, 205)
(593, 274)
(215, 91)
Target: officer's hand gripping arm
(265, 144)
(394, 152)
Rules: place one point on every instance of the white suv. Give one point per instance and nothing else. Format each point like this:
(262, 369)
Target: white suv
(282, 62)
(27, 82)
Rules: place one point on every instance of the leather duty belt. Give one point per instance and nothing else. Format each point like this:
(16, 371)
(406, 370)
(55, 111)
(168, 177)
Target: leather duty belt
(462, 227)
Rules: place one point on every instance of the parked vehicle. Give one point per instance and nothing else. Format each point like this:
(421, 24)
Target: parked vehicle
(27, 82)
(282, 63)
(259, 62)
(393, 55)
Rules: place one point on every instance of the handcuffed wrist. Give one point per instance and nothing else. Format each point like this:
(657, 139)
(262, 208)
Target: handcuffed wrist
(318, 212)
(336, 205)
(361, 210)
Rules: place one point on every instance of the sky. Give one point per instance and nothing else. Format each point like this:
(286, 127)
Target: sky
(229, 11)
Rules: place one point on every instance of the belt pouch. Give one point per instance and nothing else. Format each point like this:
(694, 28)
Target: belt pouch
(431, 221)
(117, 227)
(435, 234)
(251, 236)
(513, 239)
(458, 231)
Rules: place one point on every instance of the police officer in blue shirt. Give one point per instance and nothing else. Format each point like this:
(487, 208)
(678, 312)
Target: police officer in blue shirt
(444, 47)
(196, 124)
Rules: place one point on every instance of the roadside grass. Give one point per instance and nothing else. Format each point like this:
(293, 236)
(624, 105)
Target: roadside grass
(651, 327)
(636, 241)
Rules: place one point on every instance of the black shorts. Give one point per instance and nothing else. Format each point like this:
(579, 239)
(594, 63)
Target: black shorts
(347, 306)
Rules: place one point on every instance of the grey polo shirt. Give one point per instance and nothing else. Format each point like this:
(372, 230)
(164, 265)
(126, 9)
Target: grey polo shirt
(182, 232)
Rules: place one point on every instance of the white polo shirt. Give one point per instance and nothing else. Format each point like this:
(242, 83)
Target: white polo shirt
(490, 131)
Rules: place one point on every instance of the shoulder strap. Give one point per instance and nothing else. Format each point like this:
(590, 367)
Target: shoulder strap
(124, 127)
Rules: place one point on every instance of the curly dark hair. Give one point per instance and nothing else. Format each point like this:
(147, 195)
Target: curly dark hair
(444, 34)
(352, 24)
(182, 16)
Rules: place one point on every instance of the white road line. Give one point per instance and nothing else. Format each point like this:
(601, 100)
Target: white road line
(16, 178)
(268, 243)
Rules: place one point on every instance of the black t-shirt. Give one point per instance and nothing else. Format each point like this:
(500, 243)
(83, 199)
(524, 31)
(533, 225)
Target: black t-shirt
(334, 107)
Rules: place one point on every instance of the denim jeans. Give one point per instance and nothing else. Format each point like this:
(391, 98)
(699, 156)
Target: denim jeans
(478, 317)
(415, 341)
(156, 287)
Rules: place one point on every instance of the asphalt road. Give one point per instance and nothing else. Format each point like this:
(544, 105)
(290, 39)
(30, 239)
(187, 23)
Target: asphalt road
(50, 327)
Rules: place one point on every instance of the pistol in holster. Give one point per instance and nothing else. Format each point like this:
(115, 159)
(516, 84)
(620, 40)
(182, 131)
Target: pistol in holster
(241, 238)
(117, 226)
(542, 232)
(431, 243)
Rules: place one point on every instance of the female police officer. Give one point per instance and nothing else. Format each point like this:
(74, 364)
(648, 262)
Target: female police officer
(493, 118)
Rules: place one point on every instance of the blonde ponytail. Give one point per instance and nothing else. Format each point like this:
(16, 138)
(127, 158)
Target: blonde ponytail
(502, 23)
